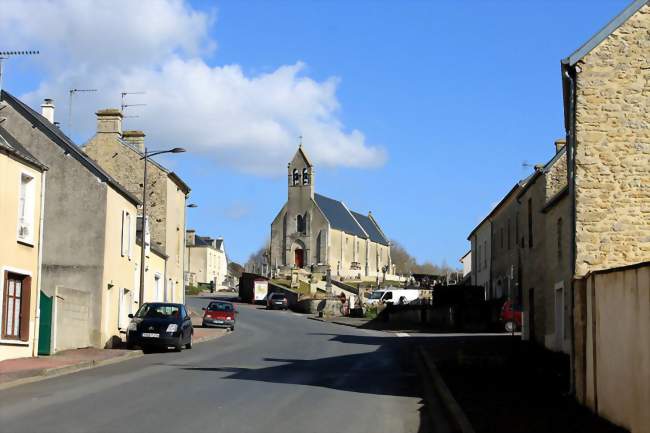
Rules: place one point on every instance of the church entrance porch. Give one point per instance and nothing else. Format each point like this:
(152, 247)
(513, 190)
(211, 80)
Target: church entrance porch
(299, 258)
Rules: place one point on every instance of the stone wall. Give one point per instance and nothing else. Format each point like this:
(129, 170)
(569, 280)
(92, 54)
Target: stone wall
(555, 177)
(612, 172)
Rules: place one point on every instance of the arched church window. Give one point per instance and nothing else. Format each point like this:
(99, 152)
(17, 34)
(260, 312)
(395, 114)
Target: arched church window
(296, 177)
(300, 224)
(305, 177)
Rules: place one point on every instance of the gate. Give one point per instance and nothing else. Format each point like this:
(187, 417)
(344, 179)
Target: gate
(45, 326)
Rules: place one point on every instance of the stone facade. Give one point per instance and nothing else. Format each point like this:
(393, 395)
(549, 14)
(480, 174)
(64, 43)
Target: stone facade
(612, 149)
(119, 153)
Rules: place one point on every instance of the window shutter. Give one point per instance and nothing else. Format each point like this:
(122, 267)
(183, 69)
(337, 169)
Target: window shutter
(129, 237)
(25, 297)
(122, 249)
(3, 315)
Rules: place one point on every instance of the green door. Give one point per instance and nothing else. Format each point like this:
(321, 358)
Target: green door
(45, 326)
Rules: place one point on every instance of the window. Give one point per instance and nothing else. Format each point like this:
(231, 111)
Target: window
(479, 258)
(509, 234)
(484, 254)
(305, 176)
(501, 233)
(15, 306)
(300, 224)
(295, 177)
(26, 209)
(530, 223)
(559, 239)
(126, 234)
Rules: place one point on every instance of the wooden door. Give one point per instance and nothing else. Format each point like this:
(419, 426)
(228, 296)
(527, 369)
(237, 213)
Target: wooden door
(299, 258)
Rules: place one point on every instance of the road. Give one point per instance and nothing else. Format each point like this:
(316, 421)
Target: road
(278, 372)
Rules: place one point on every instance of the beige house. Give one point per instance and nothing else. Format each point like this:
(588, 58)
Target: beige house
(21, 194)
(154, 273)
(312, 231)
(607, 122)
(120, 154)
(88, 236)
(206, 260)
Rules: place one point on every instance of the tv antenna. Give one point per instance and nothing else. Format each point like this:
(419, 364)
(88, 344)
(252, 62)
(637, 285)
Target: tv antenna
(124, 105)
(4, 55)
(72, 92)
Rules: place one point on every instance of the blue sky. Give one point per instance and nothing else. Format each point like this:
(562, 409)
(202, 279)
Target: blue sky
(449, 98)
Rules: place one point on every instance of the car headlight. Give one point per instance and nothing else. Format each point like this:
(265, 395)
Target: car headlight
(133, 326)
(172, 328)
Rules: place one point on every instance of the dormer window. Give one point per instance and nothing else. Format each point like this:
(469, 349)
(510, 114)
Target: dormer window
(296, 177)
(305, 177)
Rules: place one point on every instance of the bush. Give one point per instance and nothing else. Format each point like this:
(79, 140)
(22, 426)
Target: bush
(192, 290)
(371, 312)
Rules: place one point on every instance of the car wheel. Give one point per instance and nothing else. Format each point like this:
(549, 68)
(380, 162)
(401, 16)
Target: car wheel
(179, 345)
(189, 344)
(510, 326)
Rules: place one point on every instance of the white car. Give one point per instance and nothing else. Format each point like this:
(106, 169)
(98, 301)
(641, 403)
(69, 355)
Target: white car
(392, 295)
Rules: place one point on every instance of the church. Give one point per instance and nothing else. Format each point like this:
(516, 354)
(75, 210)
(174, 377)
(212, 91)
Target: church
(317, 233)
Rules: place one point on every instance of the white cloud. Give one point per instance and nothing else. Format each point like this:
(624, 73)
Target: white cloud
(247, 122)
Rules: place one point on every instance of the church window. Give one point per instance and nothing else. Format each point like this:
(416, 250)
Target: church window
(305, 177)
(296, 177)
(300, 224)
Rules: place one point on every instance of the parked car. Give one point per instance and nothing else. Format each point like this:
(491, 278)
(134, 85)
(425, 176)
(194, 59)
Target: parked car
(221, 314)
(158, 324)
(277, 301)
(511, 317)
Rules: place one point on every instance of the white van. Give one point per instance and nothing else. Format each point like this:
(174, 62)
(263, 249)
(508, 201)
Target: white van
(392, 295)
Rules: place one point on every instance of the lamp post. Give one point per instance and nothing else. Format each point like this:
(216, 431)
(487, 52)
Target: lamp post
(189, 253)
(146, 156)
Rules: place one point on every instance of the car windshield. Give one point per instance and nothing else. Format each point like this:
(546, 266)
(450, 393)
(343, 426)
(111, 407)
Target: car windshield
(219, 306)
(376, 295)
(158, 311)
(276, 296)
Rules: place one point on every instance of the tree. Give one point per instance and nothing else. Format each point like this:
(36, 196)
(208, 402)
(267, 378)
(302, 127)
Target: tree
(257, 261)
(407, 264)
(235, 269)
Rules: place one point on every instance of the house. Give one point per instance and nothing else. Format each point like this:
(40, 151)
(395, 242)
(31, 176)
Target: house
(22, 178)
(154, 273)
(207, 263)
(88, 268)
(466, 261)
(605, 88)
(120, 154)
(317, 232)
(544, 271)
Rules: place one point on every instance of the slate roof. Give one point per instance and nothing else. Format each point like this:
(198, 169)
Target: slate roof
(58, 137)
(9, 144)
(339, 216)
(369, 226)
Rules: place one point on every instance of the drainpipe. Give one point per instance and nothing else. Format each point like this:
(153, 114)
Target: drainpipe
(37, 322)
(569, 73)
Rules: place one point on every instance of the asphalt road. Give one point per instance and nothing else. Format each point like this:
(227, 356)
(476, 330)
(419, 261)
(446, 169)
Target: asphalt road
(278, 372)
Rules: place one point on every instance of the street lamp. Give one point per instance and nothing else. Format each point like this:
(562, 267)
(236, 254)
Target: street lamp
(146, 157)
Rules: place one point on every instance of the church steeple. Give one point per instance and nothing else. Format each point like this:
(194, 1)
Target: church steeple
(301, 174)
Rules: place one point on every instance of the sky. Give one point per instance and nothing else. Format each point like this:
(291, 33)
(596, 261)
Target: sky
(424, 112)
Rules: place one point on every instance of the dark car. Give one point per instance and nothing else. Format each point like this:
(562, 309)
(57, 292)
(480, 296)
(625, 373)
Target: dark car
(220, 314)
(160, 325)
(277, 300)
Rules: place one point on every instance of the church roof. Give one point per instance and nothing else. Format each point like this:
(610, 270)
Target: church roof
(354, 223)
(371, 228)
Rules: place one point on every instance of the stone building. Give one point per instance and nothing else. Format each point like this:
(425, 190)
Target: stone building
(314, 231)
(206, 260)
(119, 153)
(88, 268)
(607, 120)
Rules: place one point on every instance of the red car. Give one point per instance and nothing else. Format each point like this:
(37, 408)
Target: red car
(220, 314)
(511, 317)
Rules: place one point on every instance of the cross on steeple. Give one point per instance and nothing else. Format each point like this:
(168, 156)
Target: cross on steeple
(300, 140)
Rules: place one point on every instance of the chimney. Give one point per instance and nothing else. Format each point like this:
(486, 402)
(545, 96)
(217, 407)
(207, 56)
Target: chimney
(190, 238)
(47, 109)
(135, 139)
(109, 121)
(559, 144)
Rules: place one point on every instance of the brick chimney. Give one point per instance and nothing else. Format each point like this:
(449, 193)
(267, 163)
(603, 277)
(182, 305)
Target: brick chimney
(135, 139)
(47, 109)
(109, 121)
(559, 144)
(190, 238)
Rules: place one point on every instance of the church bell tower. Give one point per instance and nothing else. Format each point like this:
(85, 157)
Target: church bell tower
(300, 178)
